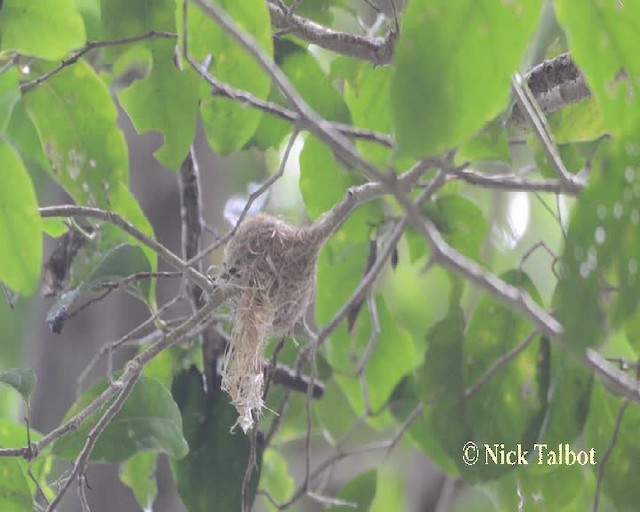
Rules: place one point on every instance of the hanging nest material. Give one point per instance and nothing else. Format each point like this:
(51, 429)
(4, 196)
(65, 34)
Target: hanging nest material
(269, 269)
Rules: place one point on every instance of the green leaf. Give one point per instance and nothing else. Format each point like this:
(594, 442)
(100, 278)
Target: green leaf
(394, 355)
(14, 435)
(454, 65)
(20, 226)
(517, 394)
(604, 38)
(211, 476)
(138, 473)
(15, 494)
(461, 223)
(230, 124)
(118, 262)
(440, 385)
(360, 490)
(624, 459)
(54, 227)
(602, 240)
(311, 82)
(318, 167)
(362, 94)
(167, 99)
(48, 30)
(148, 421)
(580, 122)
(9, 95)
(23, 380)
(22, 134)
(76, 121)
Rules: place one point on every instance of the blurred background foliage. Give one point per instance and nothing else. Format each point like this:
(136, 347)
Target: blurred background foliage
(110, 126)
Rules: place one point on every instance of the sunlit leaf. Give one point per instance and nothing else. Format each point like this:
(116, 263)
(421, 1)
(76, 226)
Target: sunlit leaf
(230, 124)
(138, 473)
(20, 226)
(48, 30)
(454, 64)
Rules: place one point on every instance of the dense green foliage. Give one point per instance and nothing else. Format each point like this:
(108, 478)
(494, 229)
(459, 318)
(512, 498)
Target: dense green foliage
(426, 336)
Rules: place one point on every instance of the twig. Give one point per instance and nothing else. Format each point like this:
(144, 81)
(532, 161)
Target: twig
(377, 267)
(608, 452)
(221, 89)
(252, 197)
(377, 50)
(79, 467)
(110, 347)
(513, 182)
(535, 116)
(387, 445)
(110, 392)
(499, 364)
(92, 45)
(96, 213)
(110, 286)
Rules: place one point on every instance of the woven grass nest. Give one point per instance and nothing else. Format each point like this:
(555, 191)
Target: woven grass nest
(269, 269)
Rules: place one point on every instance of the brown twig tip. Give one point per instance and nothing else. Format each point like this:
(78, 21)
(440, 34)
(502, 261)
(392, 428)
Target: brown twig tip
(269, 271)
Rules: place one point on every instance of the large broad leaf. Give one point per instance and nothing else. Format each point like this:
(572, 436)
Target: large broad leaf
(20, 226)
(167, 99)
(23, 380)
(76, 121)
(517, 394)
(148, 421)
(603, 243)
(211, 476)
(440, 385)
(15, 494)
(9, 95)
(454, 63)
(625, 455)
(229, 124)
(48, 30)
(604, 40)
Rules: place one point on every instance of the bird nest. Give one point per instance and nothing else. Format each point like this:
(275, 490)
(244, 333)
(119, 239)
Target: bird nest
(269, 270)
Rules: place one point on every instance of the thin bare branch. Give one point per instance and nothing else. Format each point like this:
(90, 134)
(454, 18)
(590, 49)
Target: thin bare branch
(85, 211)
(90, 46)
(377, 50)
(499, 364)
